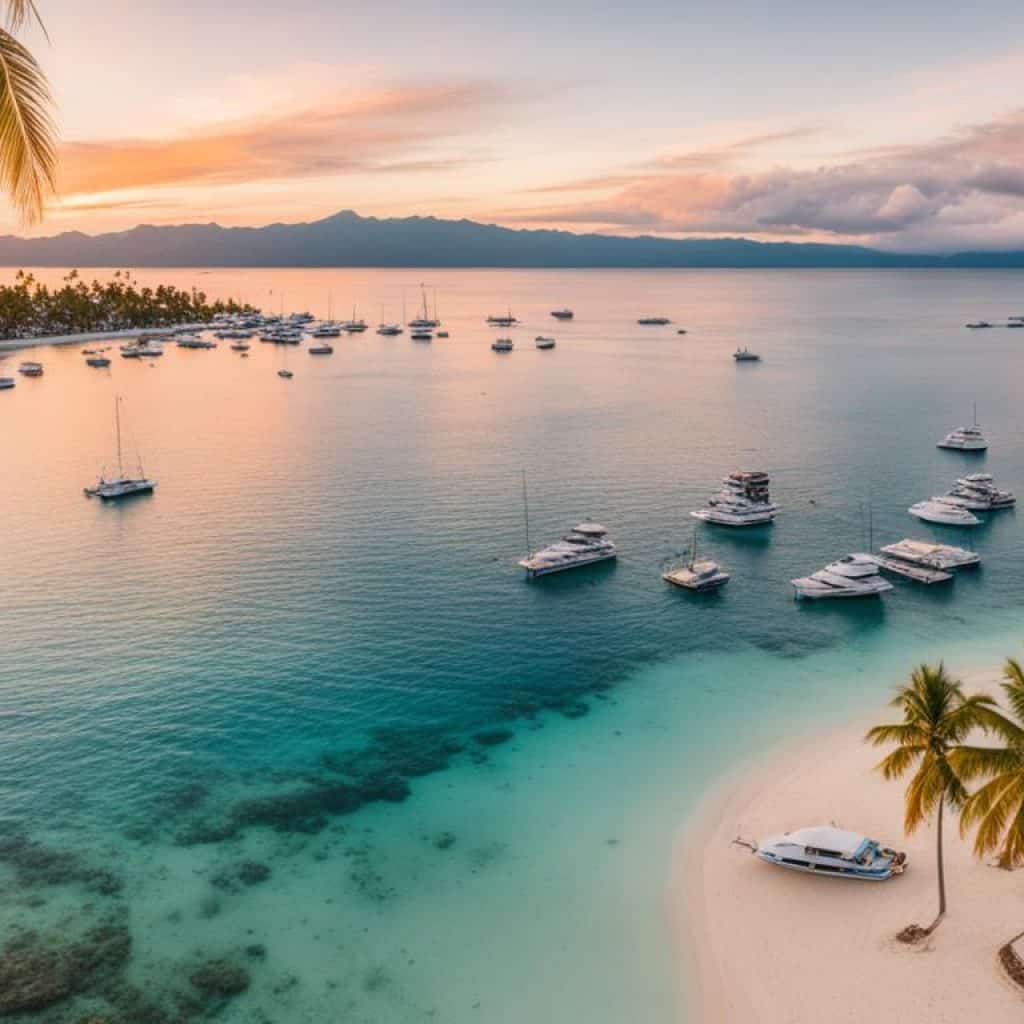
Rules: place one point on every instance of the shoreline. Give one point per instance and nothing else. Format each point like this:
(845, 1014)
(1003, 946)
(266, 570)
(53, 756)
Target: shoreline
(13, 344)
(760, 943)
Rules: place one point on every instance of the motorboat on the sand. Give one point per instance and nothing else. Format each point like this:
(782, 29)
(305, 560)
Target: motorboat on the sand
(827, 850)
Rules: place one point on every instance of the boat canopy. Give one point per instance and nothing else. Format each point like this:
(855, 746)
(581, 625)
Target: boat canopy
(826, 837)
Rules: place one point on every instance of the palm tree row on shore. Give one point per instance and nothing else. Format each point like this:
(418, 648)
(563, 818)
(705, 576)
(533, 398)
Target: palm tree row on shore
(931, 746)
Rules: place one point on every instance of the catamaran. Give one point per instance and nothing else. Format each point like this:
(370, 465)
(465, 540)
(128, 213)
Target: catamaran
(704, 575)
(120, 486)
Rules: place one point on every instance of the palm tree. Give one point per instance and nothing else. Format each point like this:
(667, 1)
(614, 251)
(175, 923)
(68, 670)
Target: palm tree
(997, 808)
(937, 718)
(28, 149)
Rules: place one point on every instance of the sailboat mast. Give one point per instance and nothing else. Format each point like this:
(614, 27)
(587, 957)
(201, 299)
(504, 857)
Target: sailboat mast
(117, 427)
(526, 515)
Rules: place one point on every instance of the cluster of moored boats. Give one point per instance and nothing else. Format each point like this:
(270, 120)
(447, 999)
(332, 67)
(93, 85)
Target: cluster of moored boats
(744, 500)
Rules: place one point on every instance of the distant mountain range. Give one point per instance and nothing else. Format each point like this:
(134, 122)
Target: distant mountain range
(348, 240)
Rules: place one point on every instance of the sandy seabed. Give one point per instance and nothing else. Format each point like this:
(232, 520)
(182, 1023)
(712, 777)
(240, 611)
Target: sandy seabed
(771, 945)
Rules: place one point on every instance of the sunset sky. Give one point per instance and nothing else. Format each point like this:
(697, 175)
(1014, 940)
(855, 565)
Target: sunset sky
(895, 125)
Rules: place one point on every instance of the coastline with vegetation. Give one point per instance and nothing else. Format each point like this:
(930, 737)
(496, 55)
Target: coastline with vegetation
(32, 313)
(776, 945)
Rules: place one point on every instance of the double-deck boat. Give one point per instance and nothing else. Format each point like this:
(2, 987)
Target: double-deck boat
(743, 501)
(502, 345)
(31, 369)
(744, 355)
(853, 576)
(121, 486)
(977, 492)
(584, 544)
(938, 511)
(562, 314)
(965, 439)
(833, 852)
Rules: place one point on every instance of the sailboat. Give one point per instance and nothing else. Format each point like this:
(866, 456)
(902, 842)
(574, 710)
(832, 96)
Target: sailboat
(696, 575)
(121, 486)
(425, 320)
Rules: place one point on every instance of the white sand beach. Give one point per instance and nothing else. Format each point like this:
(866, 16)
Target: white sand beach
(779, 946)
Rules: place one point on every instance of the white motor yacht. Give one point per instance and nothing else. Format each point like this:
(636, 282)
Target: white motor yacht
(327, 329)
(121, 486)
(321, 350)
(937, 511)
(585, 544)
(502, 345)
(853, 576)
(965, 439)
(6, 383)
(743, 501)
(977, 492)
(544, 343)
(833, 852)
(31, 369)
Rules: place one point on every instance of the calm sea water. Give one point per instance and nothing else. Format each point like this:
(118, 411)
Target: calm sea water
(320, 606)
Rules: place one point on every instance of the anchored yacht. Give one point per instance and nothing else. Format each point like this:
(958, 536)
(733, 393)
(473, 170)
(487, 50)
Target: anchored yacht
(544, 343)
(853, 576)
(502, 345)
(703, 575)
(744, 355)
(120, 486)
(6, 383)
(977, 492)
(938, 511)
(31, 369)
(827, 850)
(583, 545)
(965, 439)
(742, 501)
(562, 314)
(653, 321)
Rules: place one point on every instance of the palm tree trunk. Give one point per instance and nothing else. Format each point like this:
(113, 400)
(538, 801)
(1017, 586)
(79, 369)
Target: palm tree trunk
(941, 870)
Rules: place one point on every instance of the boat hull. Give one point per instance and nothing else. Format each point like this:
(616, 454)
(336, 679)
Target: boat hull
(881, 875)
(724, 519)
(534, 572)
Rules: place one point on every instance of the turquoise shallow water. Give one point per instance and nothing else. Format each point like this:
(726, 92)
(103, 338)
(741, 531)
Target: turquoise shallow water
(284, 655)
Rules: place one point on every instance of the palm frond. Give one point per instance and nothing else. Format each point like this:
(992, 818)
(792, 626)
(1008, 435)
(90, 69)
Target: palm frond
(902, 733)
(21, 11)
(897, 763)
(28, 155)
(972, 763)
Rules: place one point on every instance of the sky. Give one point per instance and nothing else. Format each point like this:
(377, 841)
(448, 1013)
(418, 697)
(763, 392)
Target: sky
(898, 125)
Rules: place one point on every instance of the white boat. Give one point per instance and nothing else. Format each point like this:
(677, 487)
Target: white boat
(744, 355)
(933, 556)
(389, 330)
(6, 383)
(421, 334)
(703, 575)
(321, 350)
(965, 439)
(240, 346)
(562, 314)
(31, 369)
(354, 326)
(326, 330)
(544, 343)
(853, 576)
(424, 321)
(585, 544)
(975, 324)
(653, 321)
(121, 486)
(832, 852)
(743, 501)
(977, 492)
(98, 361)
(938, 511)
(287, 374)
(502, 345)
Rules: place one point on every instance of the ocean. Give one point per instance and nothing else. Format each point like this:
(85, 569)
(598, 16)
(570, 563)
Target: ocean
(293, 739)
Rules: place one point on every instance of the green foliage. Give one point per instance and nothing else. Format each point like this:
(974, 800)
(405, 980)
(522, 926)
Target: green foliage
(29, 308)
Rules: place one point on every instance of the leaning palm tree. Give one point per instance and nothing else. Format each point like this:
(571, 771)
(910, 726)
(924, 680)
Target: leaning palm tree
(997, 808)
(937, 718)
(28, 151)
